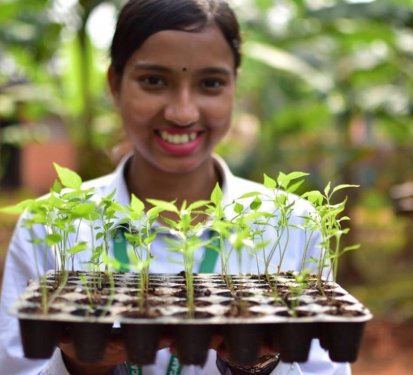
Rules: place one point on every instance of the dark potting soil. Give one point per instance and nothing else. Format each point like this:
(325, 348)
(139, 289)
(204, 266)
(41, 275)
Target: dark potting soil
(146, 314)
(194, 315)
(240, 309)
(295, 313)
(38, 310)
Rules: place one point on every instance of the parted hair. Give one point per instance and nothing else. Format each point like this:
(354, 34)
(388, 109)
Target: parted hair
(139, 19)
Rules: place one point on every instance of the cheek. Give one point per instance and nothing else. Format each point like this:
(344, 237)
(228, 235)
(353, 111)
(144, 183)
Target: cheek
(137, 110)
(220, 114)
(136, 105)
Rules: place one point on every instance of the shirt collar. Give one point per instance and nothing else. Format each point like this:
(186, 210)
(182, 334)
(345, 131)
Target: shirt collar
(118, 182)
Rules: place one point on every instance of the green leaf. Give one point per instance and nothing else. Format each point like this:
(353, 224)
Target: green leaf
(197, 204)
(250, 195)
(350, 248)
(238, 208)
(57, 187)
(163, 205)
(297, 174)
(150, 238)
(83, 209)
(294, 187)
(327, 189)
(17, 208)
(280, 200)
(53, 239)
(153, 214)
(79, 247)
(256, 204)
(283, 180)
(170, 222)
(217, 195)
(344, 186)
(134, 239)
(269, 182)
(136, 204)
(68, 178)
(314, 197)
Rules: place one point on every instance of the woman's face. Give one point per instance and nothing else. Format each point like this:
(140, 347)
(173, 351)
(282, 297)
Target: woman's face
(176, 97)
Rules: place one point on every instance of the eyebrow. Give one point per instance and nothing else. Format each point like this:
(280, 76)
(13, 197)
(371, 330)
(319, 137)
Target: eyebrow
(217, 70)
(163, 69)
(153, 67)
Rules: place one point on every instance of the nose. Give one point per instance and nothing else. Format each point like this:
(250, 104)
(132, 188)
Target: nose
(182, 108)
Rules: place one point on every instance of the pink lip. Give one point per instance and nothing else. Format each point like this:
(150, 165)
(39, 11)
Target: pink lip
(180, 149)
(179, 130)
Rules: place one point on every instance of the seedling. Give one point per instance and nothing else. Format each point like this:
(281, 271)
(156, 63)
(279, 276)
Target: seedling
(140, 235)
(187, 240)
(328, 221)
(247, 224)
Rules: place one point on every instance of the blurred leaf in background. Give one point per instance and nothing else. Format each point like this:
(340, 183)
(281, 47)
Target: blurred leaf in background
(53, 57)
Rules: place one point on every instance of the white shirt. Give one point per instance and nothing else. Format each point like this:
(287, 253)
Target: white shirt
(20, 267)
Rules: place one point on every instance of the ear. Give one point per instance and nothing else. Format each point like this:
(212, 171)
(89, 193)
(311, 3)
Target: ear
(114, 82)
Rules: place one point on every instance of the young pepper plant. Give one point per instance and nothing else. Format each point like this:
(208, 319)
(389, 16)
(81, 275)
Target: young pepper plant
(56, 213)
(35, 215)
(140, 237)
(221, 230)
(328, 220)
(235, 232)
(187, 234)
(282, 210)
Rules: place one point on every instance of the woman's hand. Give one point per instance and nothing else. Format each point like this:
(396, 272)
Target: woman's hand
(267, 359)
(218, 344)
(115, 354)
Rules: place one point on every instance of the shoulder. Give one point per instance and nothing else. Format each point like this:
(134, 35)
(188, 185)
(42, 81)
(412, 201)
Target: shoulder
(100, 183)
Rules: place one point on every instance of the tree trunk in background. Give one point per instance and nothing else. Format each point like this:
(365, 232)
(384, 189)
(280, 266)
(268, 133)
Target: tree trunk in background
(93, 162)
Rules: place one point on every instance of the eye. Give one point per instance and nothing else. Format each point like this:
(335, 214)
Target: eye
(213, 83)
(152, 81)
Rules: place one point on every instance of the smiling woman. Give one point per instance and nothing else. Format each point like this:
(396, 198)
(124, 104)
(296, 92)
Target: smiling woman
(174, 118)
(172, 77)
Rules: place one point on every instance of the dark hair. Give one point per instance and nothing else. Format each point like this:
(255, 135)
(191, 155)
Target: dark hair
(139, 19)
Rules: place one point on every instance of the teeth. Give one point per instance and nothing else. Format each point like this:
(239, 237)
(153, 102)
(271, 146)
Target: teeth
(177, 139)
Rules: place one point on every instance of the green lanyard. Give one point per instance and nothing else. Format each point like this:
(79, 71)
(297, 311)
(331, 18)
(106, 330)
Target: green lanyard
(207, 265)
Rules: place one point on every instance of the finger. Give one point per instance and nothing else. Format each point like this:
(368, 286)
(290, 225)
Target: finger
(65, 338)
(165, 342)
(217, 342)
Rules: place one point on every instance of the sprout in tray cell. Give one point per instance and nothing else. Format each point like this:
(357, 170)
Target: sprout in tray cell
(185, 225)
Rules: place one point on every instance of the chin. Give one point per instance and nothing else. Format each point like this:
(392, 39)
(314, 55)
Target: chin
(182, 166)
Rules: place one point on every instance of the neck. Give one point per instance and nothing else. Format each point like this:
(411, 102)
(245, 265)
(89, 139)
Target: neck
(145, 181)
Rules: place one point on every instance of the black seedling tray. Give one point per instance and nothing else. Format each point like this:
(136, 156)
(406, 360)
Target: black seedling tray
(254, 311)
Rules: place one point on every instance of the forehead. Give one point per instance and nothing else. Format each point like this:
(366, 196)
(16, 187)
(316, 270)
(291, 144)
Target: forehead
(194, 50)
